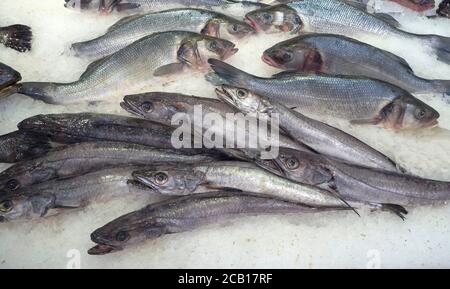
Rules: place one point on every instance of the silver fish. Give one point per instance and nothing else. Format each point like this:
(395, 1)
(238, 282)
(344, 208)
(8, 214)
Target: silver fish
(17, 37)
(133, 28)
(134, 67)
(359, 100)
(341, 18)
(185, 214)
(340, 55)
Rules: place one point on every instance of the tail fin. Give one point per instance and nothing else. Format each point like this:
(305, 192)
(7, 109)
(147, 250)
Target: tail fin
(441, 46)
(18, 37)
(229, 74)
(38, 90)
(441, 86)
(9, 91)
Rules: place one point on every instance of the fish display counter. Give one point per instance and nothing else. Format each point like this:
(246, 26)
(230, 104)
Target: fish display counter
(90, 176)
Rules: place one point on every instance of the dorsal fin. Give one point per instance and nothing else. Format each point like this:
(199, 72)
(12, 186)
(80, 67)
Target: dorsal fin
(123, 21)
(388, 19)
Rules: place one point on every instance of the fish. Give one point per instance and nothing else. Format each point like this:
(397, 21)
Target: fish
(8, 76)
(60, 196)
(359, 183)
(361, 101)
(132, 68)
(19, 145)
(444, 9)
(132, 28)
(81, 127)
(17, 37)
(244, 176)
(320, 137)
(233, 7)
(341, 18)
(416, 5)
(81, 158)
(162, 107)
(340, 55)
(186, 213)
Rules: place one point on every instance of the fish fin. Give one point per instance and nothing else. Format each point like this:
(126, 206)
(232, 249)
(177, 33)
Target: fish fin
(18, 37)
(440, 45)
(169, 69)
(215, 79)
(229, 73)
(338, 195)
(37, 90)
(388, 19)
(441, 86)
(123, 21)
(398, 210)
(127, 6)
(372, 121)
(8, 91)
(42, 203)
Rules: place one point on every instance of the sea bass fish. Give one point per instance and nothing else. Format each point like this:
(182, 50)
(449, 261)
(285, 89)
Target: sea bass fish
(81, 158)
(231, 7)
(194, 179)
(185, 214)
(17, 37)
(134, 67)
(20, 145)
(340, 55)
(8, 76)
(341, 18)
(133, 28)
(41, 200)
(319, 136)
(359, 100)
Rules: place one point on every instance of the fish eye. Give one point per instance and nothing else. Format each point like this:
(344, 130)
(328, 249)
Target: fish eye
(213, 45)
(287, 56)
(147, 106)
(161, 178)
(267, 17)
(420, 113)
(292, 163)
(234, 28)
(241, 93)
(122, 236)
(6, 206)
(12, 185)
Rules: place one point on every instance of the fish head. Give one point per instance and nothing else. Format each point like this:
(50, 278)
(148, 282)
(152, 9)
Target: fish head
(303, 167)
(171, 180)
(16, 206)
(8, 76)
(275, 19)
(293, 56)
(123, 232)
(243, 99)
(408, 112)
(101, 6)
(227, 28)
(155, 106)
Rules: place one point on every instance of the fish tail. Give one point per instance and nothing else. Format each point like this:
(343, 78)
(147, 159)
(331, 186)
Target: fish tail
(8, 91)
(227, 74)
(82, 49)
(441, 86)
(38, 90)
(440, 45)
(17, 37)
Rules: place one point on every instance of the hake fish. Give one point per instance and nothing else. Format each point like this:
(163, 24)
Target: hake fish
(340, 55)
(134, 67)
(20, 145)
(247, 177)
(185, 214)
(8, 76)
(17, 37)
(341, 18)
(133, 28)
(358, 100)
(78, 159)
(57, 196)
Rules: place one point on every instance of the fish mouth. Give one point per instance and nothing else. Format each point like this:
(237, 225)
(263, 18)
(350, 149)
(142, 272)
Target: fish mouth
(144, 181)
(131, 107)
(229, 53)
(271, 166)
(431, 124)
(223, 95)
(253, 23)
(269, 60)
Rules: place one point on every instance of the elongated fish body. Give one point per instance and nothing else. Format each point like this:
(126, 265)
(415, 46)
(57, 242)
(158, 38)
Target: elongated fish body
(322, 138)
(340, 55)
(128, 70)
(73, 128)
(8, 76)
(358, 100)
(133, 28)
(17, 37)
(36, 201)
(19, 145)
(185, 214)
(235, 8)
(242, 176)
(78, 159)
(166, 105)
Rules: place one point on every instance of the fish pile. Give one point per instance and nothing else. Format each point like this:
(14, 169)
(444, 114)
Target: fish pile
(62, 162)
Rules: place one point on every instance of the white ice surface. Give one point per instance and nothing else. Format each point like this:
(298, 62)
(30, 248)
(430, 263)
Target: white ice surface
(307, 241)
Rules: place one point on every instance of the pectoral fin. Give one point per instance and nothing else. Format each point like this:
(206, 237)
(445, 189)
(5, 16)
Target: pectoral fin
(169, 69)
(42, 203)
